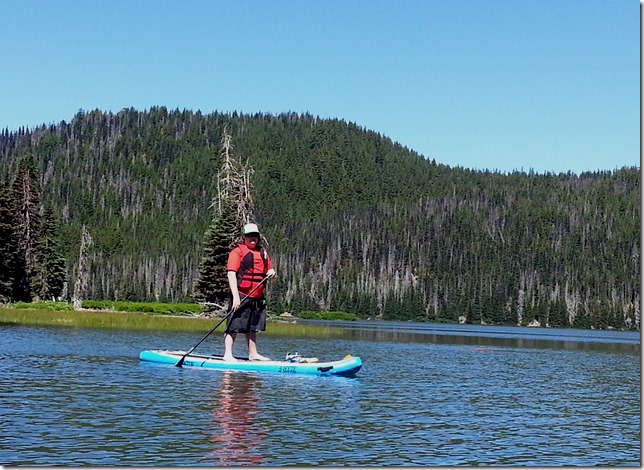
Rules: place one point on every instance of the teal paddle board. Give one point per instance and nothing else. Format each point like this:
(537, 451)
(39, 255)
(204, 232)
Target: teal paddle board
(347, 366)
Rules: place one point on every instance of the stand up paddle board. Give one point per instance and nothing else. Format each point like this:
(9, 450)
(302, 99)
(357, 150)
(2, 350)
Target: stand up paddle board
(347, 366)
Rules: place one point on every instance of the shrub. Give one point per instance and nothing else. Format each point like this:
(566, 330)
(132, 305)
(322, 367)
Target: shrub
(49, 305)
(327, 316)
(144, 307)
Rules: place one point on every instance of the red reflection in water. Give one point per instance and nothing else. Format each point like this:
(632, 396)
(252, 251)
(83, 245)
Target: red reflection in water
(236, 432)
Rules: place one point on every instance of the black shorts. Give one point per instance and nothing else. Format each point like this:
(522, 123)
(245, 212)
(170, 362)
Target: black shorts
(250, 317)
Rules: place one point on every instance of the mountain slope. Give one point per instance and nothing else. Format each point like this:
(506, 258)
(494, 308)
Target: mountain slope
(354, 221)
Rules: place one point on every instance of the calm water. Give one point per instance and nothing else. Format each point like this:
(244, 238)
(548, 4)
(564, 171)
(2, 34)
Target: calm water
(427, 395)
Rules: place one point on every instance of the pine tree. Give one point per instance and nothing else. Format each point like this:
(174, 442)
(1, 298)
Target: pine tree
(27, 206)
(54, 263)
(7, 245)
(558, 316)
(212, 284)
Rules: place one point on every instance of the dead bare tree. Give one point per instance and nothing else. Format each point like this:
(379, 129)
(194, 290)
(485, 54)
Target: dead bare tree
(234, 183)
(227, 175)
(82, 274)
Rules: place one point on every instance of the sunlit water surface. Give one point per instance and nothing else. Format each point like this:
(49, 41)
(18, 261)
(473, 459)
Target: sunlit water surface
(426, 395)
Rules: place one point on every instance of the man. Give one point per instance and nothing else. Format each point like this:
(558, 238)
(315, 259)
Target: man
(248, 265)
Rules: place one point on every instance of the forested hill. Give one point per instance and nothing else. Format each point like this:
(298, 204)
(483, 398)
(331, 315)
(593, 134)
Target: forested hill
(354, 221)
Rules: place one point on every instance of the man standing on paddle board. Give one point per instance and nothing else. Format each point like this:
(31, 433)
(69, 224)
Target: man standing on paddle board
(248, 265)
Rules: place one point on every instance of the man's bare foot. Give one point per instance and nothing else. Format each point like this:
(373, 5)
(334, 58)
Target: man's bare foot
(258, 357)
(229, 359)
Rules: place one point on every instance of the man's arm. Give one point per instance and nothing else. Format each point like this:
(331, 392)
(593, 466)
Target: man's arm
(232, 283)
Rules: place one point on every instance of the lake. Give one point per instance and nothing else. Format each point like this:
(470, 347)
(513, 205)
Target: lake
(428, 395)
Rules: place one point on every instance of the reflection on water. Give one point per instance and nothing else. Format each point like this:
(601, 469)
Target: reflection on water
(483, 335)
(523, 343)
(237, 435)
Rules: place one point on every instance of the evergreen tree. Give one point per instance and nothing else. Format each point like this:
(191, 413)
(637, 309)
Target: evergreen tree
(557, 316)
(26, 197)
(7, 245)
(212, 284)
(53, 262)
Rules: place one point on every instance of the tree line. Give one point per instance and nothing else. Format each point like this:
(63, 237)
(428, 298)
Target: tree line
(353, 220)
(32, 266)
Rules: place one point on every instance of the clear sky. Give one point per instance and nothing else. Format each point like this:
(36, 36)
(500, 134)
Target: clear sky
(549, 85)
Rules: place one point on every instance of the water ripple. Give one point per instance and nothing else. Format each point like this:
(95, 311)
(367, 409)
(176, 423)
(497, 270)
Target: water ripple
(71, 397)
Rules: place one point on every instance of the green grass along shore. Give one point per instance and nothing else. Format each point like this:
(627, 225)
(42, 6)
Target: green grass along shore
(147, 316)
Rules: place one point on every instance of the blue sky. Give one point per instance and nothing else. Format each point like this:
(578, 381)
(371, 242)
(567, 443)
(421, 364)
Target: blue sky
(549, 85)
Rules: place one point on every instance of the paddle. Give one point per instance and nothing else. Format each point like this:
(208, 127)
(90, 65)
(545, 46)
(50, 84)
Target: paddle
(230, 312)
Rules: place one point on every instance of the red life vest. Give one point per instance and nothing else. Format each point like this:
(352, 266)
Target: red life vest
(252, 269)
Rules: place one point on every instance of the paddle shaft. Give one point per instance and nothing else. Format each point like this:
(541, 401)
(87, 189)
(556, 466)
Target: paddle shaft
(230, 312)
